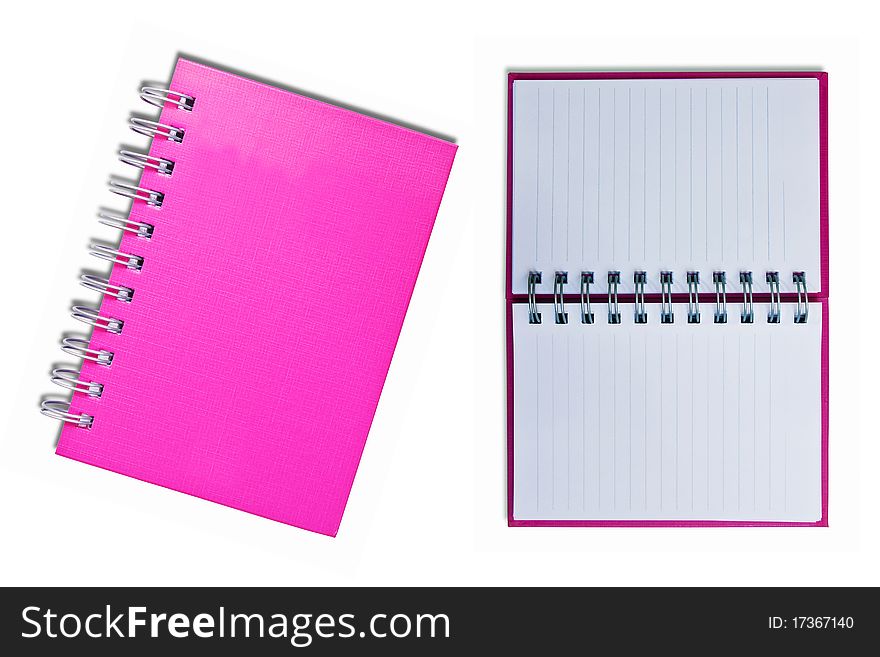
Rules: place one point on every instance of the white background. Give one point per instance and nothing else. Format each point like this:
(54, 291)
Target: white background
(428, 505)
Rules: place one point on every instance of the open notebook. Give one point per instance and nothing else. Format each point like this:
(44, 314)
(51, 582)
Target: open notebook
(256, 297)
(667, 298)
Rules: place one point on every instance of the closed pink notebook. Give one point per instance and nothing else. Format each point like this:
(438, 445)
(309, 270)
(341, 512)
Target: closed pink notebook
(271, 293)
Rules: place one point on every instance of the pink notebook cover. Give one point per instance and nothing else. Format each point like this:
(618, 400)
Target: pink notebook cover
(821, 296)
(271, 297)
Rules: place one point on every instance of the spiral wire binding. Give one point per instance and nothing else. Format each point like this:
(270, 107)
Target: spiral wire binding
(802, 310)
(640, 314)
(58, 409)
(158, 96)
(720, 280)
(534, 315)
(92, 317)
(113, 255)
(666, 314)
(67, 378)
(747, 316)
(141, 161)
(586, 311)
(693, 281)
(559, 281)
(613, 305)
(104, 286)
(154, 129)
(139, 228)
(80, 347)
(136, 193)
(775, 313)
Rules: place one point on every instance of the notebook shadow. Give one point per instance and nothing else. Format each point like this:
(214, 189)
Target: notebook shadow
(324, 99)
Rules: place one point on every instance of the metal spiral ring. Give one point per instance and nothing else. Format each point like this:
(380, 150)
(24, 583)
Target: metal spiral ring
(79, 347)
(640, 314)
(103, 286)
(747, 316)
(106, 253)
(139, 228)
(802, 311)
(92, 317)
(154, 129)
(70, 379)
(559, 282)
(613, 305)
(148, 196)
(141, 161)
(666, 314)
(586, 311)
(774, 315)
(720, 280)
(60, 410)
(158, 96)
(534, 315)
(693, 281)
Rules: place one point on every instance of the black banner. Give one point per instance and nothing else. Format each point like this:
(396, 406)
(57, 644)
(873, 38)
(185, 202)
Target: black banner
(429, 621)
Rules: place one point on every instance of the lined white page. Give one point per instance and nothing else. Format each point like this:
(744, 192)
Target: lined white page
(667, 421)
(692, 174)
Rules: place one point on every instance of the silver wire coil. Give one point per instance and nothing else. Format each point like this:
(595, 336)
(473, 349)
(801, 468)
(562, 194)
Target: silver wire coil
(58, 409)
(720, 280)
(141, 161)
(114, 220)
(157, 96)
(148, 196)
(79, 347)
(92, 317)
(559, 281)
(534, 315)
(694, 316)
(747, 316)
(104, 252)
(155, 129)
(613, 304)
(69, 379)
(667, 316)
(774, 315)
(693, 281)
(640, 315)
(104, 286)
(802, 310)
(586, 312)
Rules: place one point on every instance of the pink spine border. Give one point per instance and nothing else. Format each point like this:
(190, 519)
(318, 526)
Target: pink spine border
(821, 296)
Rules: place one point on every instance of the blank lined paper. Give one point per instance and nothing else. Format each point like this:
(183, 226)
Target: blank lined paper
(679, 175)
(668, 421)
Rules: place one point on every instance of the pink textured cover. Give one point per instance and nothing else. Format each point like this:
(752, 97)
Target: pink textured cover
(821, 296)
(270, 301)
